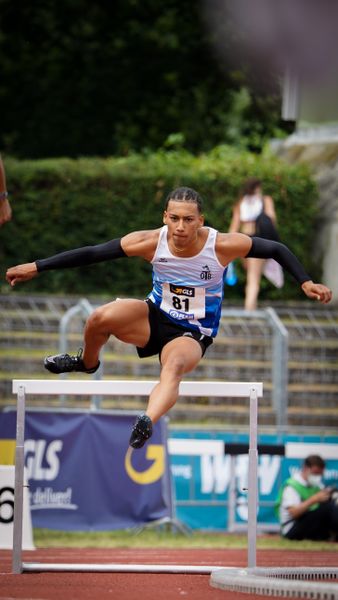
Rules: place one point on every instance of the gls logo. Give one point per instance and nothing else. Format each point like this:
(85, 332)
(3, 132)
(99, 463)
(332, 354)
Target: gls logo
(182, 291)
(205, 273)
(154, 453)
(42, 459)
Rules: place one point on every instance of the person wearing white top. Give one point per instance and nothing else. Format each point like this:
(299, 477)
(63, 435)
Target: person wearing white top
(245, 212)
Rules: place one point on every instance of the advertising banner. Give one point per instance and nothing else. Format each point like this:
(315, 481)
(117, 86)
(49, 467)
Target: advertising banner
(82, 473)
(211, 486)
(84, 476)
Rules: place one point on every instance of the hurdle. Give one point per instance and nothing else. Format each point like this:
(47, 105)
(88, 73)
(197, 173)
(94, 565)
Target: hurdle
(22, 388)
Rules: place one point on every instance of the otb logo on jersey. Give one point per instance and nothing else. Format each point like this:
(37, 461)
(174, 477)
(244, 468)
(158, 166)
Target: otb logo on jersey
(182, 290)
(205, 273)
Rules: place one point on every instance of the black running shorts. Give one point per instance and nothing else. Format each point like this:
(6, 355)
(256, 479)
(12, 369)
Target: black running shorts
(163, 330)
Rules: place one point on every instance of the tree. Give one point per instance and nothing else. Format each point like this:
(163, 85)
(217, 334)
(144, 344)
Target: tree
(84, 78)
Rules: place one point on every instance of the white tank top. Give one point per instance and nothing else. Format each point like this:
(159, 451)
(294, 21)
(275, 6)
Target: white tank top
(189, 290)
(250, 207)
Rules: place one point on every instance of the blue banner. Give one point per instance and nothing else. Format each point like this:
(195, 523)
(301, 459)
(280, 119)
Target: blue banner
(84, 476)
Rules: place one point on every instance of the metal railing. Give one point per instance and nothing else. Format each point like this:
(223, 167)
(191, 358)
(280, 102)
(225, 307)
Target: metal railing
(267, 320)
(293, 349)
(271, 326)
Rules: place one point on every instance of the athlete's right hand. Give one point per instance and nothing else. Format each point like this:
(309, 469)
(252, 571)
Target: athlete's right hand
(21, 273)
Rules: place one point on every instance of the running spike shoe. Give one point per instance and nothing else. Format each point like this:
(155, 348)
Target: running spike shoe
(64, 363)
(141, 431)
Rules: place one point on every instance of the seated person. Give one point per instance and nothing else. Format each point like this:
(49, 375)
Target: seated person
(308, 510)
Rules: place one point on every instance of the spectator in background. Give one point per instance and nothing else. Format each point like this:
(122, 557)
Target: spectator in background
(307, 509)
(254, 214)
(5, 208)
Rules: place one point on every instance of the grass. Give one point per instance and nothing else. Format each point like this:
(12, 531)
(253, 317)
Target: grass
(150, 538)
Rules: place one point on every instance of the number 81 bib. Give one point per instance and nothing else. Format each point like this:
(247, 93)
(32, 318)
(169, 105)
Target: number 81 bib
(183, 302)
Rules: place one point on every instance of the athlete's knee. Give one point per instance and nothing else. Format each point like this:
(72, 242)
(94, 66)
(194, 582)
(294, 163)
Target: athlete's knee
(176, 365)
(100, 319)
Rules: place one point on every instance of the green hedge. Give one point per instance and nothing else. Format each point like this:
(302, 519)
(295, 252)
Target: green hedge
(62, 203)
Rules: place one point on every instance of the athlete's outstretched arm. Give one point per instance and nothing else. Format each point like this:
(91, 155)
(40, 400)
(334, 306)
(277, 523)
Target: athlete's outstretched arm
(137, 243)
(79, 257)
(72, 258)
(268, 249)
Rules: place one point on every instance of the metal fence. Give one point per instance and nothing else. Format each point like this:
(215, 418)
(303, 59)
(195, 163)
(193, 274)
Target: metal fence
(294, 350)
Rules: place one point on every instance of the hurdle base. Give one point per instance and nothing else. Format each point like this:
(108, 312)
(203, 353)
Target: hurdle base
(283, 581)
(119, 568)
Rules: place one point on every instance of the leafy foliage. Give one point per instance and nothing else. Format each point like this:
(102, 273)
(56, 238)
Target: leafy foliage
(61, 204)
(100, 78)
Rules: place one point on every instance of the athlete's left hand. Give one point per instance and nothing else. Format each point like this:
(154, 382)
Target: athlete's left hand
(317, 291)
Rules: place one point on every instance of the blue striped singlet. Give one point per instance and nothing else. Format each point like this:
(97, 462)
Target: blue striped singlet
(189, 290)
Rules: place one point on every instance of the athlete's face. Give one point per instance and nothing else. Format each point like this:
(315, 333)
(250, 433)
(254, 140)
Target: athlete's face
(183, 219)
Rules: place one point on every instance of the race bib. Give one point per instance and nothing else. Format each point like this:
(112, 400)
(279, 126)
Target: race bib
(183, 302)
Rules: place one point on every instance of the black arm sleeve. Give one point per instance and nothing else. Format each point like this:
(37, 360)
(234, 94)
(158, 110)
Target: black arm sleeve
(82, 256)
(262, 248)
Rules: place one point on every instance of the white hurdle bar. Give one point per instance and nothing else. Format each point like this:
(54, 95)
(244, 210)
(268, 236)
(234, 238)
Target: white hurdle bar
(43, 387)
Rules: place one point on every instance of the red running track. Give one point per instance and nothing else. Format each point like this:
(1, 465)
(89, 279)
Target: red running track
(139, 586)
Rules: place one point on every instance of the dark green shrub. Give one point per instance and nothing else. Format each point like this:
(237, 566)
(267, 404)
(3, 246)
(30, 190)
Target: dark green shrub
(60, 204)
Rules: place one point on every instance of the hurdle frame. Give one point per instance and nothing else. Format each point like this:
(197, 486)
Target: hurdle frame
(24, 387)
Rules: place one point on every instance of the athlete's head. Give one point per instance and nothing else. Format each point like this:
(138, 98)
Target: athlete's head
(185, 194)
(183, 217)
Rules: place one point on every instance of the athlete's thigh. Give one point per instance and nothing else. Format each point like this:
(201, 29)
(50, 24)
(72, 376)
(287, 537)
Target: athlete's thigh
(184, 351)
(128, 320)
